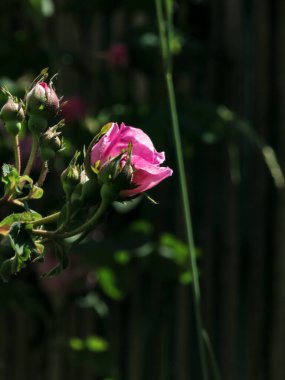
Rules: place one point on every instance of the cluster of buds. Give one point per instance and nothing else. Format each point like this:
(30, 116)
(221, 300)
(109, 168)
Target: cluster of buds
(119, 164)
(40, 106)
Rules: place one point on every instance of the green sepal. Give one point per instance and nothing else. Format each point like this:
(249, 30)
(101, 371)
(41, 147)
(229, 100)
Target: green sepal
(37, 124)
(87, 160)
(13, 127)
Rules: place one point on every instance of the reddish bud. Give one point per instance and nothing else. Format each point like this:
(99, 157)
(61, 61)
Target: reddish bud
(42, 100)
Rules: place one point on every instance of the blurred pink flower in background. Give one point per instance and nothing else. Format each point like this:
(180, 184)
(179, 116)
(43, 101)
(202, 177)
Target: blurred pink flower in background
(71, 280)
(118, 55)
(74, 109)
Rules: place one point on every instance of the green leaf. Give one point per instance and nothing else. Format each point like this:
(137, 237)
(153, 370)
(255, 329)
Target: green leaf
(173, 248)
(107, 281)
(76, 344)
(7, 268)
(11, 179)
(186, 278)
(122, 257)
(24, 247)
(21, 241)
(61, 255)
(20, 217)
(36, 192)
(93, 301)
(96, 344)
(92, 343)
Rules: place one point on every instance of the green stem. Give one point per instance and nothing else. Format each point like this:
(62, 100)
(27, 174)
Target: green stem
(165, 46)
(17, 154)
(215, 369)
(32, 155)
(47, 219)
(85, 226)
(43, 174)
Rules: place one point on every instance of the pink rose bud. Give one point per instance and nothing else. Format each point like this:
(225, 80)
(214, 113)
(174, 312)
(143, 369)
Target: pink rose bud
(12, 114)
(126, 156)
(42, 100)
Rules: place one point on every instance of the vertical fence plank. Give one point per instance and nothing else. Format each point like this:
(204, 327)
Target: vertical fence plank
(277, 363)
(229, 249)
(258, 213)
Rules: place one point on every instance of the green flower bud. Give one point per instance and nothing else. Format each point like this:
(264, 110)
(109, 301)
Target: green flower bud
(90, 191)
(76, 196)
(110, 170)
(109, 193)
(117, 173)
(50, 143)
(12, 114)
(13, 127)
(125, 177)
(70, 177)
(37, 124)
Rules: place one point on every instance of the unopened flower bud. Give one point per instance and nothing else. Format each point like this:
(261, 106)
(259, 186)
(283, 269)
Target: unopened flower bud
(50, 143)
(109, 171)
(124, 178)
(117, 171)
(90, 191)
(70, 177)
(37, 124)
(12, 114)
(75, 198)
(116, 175)
(42, 100)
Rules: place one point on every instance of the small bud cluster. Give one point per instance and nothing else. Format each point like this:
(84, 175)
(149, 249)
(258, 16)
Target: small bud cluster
(120, 163)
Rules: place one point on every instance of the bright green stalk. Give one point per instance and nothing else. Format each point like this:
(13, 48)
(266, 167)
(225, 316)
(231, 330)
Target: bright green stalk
(165, 36)
(47, 219)
(17, 154)
(43, 174)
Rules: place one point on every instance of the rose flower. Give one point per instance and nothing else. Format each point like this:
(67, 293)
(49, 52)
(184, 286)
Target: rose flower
(125, 155)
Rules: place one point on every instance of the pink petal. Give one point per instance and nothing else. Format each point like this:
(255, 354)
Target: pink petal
(98, 152)
(146, 176)
(141, 144)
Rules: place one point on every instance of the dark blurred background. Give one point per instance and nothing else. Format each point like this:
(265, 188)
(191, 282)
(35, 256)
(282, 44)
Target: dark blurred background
(123, 310)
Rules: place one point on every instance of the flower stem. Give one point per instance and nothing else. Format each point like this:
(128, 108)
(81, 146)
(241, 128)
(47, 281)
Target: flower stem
(17, 154)
(43, 174)
(84, 227)
(32, 155)
(165, 36)
(47, 219)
